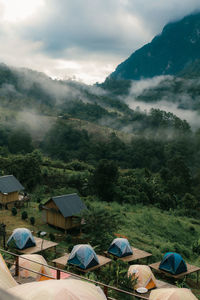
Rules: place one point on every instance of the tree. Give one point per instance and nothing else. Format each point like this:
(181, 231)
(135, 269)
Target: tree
(189, 201)
(100, 226)
(104, 179)
(20, 141)
(25, 167)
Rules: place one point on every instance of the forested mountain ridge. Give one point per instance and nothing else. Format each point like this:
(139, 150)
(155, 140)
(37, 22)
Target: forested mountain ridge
(167, 54)
(160, 156)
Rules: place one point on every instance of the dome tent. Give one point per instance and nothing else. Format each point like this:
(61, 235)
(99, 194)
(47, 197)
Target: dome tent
(172, 294)
(83, 256)
(173, 263)
(144, 276)
(65, 289)
(120, 247)
(21, 238)
(33, 264)
(6, 279)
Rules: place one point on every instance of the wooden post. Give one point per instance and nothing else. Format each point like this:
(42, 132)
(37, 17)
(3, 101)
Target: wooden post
(58, 274)
(105, 289)
(3, 234)
(17, 266)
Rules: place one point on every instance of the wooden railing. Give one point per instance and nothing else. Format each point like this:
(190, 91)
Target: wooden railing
(106, 288)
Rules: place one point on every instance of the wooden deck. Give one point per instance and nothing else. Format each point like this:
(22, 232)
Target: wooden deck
(137, 254)
(190, 269)
(41, 245)
(62, 262)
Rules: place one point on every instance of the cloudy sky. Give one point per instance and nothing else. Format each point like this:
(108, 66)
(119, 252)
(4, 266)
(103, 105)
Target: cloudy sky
(81, 39)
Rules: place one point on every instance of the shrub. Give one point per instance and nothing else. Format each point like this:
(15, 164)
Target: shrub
(24, 215)
(52, 237)
(38, 200)
(32, 220)
(14, 211)
(40, 206)
(68, 239)
(196, 247)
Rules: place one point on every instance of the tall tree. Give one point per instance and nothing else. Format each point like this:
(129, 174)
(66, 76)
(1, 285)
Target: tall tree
(105, 178)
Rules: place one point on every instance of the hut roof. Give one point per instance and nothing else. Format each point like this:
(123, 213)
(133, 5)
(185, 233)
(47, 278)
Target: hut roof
(9, 184)
(69, 205)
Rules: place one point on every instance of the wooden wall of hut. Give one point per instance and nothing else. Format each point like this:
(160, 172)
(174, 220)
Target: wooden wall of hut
(54, 217)
(7, 198)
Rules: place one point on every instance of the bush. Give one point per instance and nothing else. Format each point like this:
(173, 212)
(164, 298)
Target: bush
(32, 220)
(40, 206)
(38, 200)
(52, 237)
(24, 215)
(14, 211)
(38, 233)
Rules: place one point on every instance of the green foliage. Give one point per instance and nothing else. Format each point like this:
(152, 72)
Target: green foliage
(25, 167)
(116, 275)
(77, 165)
(100, 226)
(14, 211)
(32, 220)
(40, 206)
(24, 215)
(20, 141)
(196, 247)
(104, 180)
(189, 201)
(52, 236)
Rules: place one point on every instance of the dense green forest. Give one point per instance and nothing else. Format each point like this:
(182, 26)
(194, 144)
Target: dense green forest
(118, 154)
(150, 169)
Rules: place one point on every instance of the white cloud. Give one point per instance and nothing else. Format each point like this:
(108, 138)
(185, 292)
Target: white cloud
(90, 37)
(165, 103)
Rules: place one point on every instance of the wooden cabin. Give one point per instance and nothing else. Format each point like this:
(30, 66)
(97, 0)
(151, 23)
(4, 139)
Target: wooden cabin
(9, 190)
(62, 211)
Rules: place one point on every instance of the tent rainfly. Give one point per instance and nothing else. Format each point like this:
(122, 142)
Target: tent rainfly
(21, 238)
(6, 279)
(65, 289)
(83, 256)
(173, 263)
(144, 276)
(172, 294)
(120, 247)
(33, 264)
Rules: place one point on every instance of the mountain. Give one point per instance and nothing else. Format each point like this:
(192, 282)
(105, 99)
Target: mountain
(167, 54)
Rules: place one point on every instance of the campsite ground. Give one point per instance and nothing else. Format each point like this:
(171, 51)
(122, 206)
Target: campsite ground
(147, 228)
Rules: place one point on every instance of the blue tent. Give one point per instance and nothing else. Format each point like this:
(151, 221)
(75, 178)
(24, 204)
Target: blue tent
(21, 238)
(120, 247)
(173, 263)
(83, 256)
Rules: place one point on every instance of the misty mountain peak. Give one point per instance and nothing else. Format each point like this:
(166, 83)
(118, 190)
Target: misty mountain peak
(167, 54)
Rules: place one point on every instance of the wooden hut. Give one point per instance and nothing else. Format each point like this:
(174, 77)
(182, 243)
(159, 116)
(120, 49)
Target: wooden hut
(9, 190)
(62, 211)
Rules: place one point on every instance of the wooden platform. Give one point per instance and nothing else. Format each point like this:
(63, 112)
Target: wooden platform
(160, 284)
(62, 262)
(41, 245)
(137, 254)
(190, 269)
